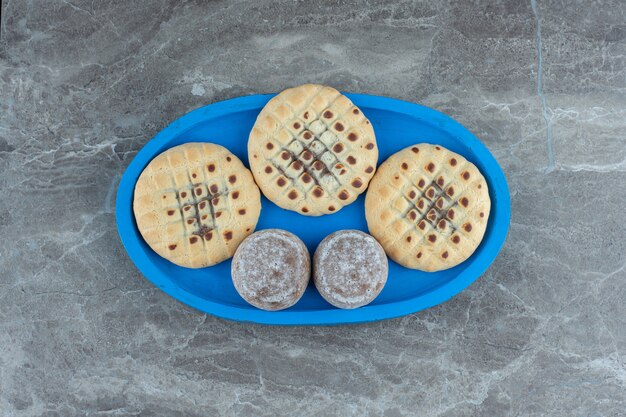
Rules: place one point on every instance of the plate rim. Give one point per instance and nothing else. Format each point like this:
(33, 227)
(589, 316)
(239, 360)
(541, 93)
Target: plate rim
(332, 316)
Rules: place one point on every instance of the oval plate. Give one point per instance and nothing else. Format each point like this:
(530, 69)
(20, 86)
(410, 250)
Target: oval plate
(397, 124)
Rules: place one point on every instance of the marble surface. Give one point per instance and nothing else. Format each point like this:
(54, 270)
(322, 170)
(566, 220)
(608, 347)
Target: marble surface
(85, 84)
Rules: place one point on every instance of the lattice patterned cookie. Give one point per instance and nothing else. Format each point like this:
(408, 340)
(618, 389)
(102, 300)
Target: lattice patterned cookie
(428, 207)
(311, 150)
(195, 203)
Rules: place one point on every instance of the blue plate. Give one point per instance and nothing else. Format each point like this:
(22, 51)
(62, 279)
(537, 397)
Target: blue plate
(397, 124)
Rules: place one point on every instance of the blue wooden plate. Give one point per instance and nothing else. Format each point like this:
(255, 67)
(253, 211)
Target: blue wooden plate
(397, 124)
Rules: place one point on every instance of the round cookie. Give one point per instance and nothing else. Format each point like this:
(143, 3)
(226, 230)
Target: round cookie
(349, 268)
(428, 207)
(312, 150)
(195, 203)
(271, 269)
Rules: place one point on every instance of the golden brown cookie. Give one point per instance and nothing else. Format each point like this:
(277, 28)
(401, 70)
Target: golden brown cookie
(195, 203)
(311, 150)
(428, 207)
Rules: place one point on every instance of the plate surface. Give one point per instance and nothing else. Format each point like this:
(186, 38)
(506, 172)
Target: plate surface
(397, 124)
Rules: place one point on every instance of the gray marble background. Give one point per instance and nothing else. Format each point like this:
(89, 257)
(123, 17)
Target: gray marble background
(84, 84)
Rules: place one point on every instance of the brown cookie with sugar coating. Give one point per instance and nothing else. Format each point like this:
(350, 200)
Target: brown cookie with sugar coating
(195, 203)
(271, 269)
(428, 207)
(312, 150)
(349, 268)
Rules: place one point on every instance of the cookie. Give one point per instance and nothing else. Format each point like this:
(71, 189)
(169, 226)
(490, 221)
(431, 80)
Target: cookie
(349, 268)
(428, 207)
(195, 203)
(271, 269)
(312, 150)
